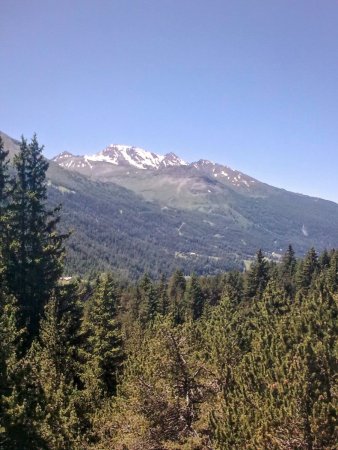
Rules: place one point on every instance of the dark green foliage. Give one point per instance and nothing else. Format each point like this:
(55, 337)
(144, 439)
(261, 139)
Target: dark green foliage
(102, 350)
(284, 391)
(4, 192)
(149, 300)
(53, 370)
(307, 270)
(288, 267)
(116, 229)
(324, 260)
(234, 287)
(194, 298)
(176, 291)
(33, 249)
(234, 361)
(12, 430)
(287, 271)
(332, 272)
(163, 296)
(4, 178)
(257, 276)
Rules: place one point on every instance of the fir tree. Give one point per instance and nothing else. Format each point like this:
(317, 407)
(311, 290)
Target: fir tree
(324, 260)
(332, 273)
(163, 296)
(17, 399)
(149, 306)
(257, 276)
(176, 291)
(4, 180)
(194, 298)
(307, 270)
(4, 188)
(34, 248)
(103, 347)
(234, 287)
(287, 271)
(53, 370)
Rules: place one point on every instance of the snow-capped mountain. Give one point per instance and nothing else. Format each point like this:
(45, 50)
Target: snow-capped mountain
(130, 206)
(224, 173)
(117, 156)
(121, 155)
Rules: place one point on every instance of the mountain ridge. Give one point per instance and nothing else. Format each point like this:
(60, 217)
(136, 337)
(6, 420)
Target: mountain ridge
(124, 155)
(137, 158)
(191, 216)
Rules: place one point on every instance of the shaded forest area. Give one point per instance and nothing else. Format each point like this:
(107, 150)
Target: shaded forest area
(233, 361)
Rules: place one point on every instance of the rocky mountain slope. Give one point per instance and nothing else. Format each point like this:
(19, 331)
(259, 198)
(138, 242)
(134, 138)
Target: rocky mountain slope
(119, 155)
(133, 210)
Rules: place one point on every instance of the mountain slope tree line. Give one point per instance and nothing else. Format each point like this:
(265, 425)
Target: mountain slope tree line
(233, 361)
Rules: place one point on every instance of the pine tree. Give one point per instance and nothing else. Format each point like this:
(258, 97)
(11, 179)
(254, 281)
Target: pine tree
(283, 391)
(162, 393)
(221, 342)
(103, 347)
(53, 370)
(288, 263)
(234, 287)
(194, 298)
(307, 270)
(287, 271)
(149, 302)
(34, 249)
(17, 419)
(176, 291)
(4, 180)
(332, 273)
(312, 368)
(4, 192)
(258, 276)
(163, 296)
(324, 260)
(9, 337)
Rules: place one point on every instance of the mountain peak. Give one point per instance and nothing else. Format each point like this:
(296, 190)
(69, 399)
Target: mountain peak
(123, 155)
(62, 156)
(138, 158)
(170, 159)
(204, 162)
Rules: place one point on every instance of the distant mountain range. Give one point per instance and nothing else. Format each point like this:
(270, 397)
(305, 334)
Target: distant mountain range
(121, 155)
(137, 158)
(133, 211)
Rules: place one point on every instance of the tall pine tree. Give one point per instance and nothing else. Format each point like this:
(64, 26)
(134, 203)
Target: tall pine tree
(176, 291)
(258, 276)
(34, 249)
(4, 180)
(103, 347)
(194, 298)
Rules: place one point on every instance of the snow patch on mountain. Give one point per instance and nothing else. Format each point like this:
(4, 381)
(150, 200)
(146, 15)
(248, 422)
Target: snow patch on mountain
(63, 155)
(139, 158)
(135, 156)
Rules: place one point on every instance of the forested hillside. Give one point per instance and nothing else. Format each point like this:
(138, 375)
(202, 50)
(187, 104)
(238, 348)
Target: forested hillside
(133, 221)
(233, 361)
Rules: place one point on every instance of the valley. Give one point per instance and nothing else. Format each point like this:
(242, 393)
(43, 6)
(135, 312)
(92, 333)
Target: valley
(134, 211)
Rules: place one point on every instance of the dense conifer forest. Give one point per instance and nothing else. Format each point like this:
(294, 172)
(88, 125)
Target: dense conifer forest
(240, 360)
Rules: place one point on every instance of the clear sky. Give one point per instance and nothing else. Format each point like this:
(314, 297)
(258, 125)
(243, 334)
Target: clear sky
(252, 84)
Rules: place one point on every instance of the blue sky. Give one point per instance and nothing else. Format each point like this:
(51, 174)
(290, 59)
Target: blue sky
(250, 84)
